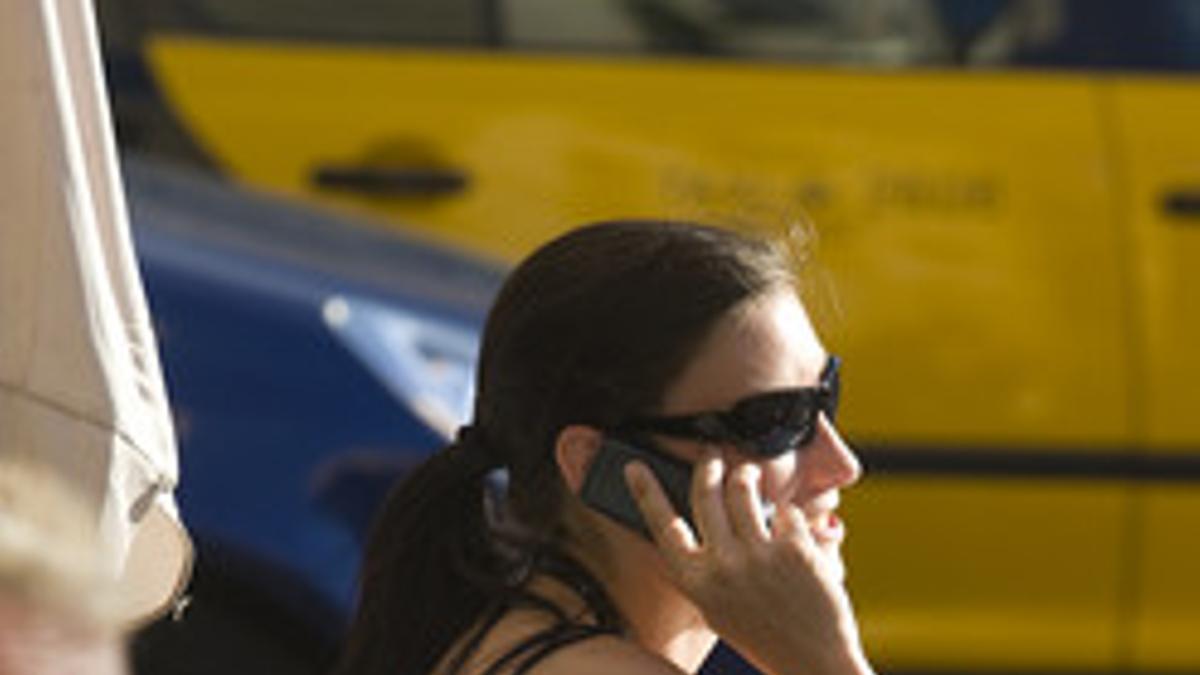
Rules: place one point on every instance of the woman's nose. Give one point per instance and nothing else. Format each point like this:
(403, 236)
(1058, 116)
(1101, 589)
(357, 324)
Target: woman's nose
(830, 460)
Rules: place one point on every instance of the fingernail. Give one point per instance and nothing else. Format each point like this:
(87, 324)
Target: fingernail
(635, 475)
(750, 472)
(714, 468)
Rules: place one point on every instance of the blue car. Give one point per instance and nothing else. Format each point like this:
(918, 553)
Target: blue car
(310, 361)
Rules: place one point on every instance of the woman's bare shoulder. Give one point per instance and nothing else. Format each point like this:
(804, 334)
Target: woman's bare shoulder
(601, 653)
(604, 655)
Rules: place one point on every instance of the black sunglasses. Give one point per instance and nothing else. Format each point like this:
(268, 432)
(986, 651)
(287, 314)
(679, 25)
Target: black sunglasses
(764, 425)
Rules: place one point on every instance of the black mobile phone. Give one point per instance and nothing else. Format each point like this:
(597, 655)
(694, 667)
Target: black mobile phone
(605, 488)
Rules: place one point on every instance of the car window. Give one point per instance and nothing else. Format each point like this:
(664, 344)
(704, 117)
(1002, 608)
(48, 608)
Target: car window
(364, 21)
(815, 31)
(1152, 35)
(1060, 34)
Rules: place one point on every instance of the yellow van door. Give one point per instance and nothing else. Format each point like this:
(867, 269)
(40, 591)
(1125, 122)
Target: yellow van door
(967, 231)
(1155, 125)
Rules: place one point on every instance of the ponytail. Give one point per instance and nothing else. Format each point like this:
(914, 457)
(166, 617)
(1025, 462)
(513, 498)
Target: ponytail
(428, 566)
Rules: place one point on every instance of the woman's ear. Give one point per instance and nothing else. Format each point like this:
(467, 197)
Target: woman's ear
(574, 450)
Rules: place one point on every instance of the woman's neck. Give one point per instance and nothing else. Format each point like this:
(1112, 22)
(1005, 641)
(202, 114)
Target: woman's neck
(658, 616)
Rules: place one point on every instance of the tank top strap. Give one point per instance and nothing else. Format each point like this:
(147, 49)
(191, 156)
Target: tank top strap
(537, 647)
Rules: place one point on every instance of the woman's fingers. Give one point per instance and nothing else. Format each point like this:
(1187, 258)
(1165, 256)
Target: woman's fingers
(744, 504)
(708, 501)
(789, 525)
(669, 529)
(769, 591)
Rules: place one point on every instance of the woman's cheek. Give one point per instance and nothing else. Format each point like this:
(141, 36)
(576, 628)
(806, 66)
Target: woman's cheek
(779, 478)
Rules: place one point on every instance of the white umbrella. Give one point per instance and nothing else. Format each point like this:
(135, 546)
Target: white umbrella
(81, 389)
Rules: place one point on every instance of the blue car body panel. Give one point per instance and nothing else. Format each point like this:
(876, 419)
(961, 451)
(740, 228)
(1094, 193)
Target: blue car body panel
(271, 398)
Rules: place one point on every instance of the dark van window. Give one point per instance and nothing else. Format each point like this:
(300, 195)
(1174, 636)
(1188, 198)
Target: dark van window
(1071, 34)
(370, 21)
(1150, 35)
(882, 32)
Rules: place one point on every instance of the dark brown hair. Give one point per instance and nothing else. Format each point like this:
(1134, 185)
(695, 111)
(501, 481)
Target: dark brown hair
(590, 329)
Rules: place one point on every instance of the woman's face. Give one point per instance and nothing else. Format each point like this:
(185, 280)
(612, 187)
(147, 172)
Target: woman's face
(768, 344)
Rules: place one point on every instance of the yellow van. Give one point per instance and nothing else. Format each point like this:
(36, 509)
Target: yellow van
(1001, 200)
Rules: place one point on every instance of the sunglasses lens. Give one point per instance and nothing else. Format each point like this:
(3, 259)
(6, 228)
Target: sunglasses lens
(775, 423)
(779, 440)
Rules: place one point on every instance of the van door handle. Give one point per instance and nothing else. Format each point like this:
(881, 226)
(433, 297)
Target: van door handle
(1182, 203)
(384, 181)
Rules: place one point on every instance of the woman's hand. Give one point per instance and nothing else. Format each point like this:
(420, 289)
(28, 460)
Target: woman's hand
(767, 590)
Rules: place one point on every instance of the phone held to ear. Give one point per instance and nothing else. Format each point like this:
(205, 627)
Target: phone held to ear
(605, 488)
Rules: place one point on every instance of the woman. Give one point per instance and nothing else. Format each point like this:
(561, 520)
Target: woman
(689, 345)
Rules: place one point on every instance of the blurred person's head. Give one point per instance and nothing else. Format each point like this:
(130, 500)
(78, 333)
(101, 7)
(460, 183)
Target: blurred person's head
(57, 604)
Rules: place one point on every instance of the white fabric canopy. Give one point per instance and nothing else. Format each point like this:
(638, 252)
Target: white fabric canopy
(81, 388)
